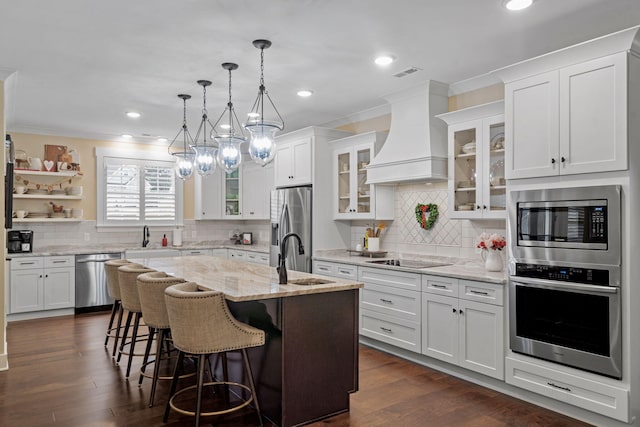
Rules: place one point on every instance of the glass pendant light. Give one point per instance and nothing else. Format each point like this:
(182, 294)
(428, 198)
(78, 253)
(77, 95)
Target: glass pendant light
(184, 155)
(206, 151)
(229, 151)
(262, 147)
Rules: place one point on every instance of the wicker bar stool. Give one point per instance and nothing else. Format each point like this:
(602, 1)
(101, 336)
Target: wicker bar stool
(151, 288)
(201, 324)
(113, 287)
(127, 278)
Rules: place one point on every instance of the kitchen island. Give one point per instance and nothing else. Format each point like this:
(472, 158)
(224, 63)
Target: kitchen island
(309, 363)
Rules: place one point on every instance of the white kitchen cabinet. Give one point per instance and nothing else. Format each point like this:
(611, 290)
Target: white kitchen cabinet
(42, 283)
(460, 329)
(242, 194)
(390, 307)
(293, 163)
(335, 269)
(476, 147)
(249, 256)
(220, 252)
(257, 183)
(354, 198)
(568, 121)
(195, 252)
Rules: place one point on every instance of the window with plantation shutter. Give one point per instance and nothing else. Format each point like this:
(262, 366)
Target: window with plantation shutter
(136, 189)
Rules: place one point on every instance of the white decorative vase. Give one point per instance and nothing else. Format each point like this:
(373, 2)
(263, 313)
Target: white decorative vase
(492, 260)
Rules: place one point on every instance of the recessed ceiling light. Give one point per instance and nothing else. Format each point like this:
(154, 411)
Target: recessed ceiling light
(162, 139)
(126, 136)
(132, 114)
(305, 93)
(384, 60)
(517, 4)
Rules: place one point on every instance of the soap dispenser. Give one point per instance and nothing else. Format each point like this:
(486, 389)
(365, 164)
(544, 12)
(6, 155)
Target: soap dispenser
(164, 240)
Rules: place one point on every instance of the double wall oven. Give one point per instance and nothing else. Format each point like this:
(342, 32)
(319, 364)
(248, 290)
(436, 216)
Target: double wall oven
(564, 282)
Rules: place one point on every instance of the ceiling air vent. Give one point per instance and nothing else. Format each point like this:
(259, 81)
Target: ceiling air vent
(406, 72)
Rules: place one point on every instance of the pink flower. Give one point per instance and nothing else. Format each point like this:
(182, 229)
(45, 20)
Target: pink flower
(491, 241)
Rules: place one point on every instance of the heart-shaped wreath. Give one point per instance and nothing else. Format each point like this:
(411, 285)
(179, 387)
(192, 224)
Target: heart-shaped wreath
(425, 221)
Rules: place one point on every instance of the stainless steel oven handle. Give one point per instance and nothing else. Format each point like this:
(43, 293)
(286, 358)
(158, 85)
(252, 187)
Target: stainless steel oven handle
(551, 284)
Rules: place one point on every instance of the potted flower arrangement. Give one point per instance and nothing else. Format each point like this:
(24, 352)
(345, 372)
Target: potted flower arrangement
(491, 244)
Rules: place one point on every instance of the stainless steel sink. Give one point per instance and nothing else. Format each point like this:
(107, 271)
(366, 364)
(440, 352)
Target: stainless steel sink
(309, 281)
(406, 263)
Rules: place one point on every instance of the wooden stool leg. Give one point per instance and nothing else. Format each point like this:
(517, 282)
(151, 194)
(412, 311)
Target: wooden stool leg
(124, 336)
(247, 368)
(134, 337)
(174, 385)
(147, 350)
(114, 308)
(156, 367)
(201, 360)
(115, 344)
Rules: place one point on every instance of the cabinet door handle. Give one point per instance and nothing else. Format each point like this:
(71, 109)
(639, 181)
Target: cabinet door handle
(455, 311)
(386, 329)
(461, 312)
(560, 387)
(562, 159)
(46, 275)
(439, 286)
(553, 161)
(479, 293)
(484, 206)
(477, 207)
(386, 301)
(41, 276)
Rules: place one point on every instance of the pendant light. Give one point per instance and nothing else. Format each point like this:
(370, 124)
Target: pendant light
(206, 151)
(262, 147)
(229, 151)
(184, 158)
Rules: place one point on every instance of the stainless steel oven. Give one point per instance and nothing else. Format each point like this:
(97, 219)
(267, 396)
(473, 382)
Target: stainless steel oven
(579, 225)
(565, 277)
(569, 315)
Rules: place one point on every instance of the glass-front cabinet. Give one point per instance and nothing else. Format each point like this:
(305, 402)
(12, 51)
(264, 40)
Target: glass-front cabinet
(231, 192)
(354, 198)
(477, 187)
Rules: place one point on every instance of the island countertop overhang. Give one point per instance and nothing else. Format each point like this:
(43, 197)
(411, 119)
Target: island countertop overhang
(242, 281)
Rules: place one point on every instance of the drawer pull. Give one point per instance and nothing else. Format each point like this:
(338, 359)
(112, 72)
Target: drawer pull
(344, 271)
(59, 262)
(27, 263)
(387, 301)
(386, 329)
(560, 387)
(323, 268)
(439, 286)
(479, 293)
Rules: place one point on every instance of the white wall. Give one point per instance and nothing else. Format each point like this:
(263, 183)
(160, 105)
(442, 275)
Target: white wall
(447, 237)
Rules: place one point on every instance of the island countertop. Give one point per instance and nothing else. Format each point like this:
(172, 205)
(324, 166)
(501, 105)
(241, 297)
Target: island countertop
(241, 281)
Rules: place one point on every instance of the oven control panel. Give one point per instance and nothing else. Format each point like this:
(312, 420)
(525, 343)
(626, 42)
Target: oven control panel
(590, 276)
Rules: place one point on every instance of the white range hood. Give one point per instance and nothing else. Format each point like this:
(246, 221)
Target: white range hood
(416, 148)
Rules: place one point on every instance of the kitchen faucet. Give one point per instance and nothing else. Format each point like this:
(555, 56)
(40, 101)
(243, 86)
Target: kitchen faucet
(282, 269)
(145, 236)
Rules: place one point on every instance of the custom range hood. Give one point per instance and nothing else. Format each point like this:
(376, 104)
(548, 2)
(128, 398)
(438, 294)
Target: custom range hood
(416, 148)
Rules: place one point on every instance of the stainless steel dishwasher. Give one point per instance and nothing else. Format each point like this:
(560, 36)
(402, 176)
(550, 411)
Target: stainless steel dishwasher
(91, 282)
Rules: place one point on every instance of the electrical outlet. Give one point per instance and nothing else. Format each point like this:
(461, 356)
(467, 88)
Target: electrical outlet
(87, 237)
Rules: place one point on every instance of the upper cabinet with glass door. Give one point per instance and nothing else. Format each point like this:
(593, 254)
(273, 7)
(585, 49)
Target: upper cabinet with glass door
(354, 197)
(477, 187)
(232, 198)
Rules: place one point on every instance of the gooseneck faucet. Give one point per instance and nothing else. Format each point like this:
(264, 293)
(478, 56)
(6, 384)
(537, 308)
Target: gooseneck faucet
(282, 269)
(145, 236)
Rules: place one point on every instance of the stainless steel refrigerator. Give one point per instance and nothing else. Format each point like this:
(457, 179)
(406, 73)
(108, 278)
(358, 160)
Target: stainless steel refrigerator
(291, 213)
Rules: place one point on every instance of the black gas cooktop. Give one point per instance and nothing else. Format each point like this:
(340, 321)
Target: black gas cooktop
(409, 263)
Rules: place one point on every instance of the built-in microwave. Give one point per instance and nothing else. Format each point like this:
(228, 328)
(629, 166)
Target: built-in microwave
(577, 225)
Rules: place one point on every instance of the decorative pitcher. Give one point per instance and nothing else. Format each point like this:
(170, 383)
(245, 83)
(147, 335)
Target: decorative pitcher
(492, 260)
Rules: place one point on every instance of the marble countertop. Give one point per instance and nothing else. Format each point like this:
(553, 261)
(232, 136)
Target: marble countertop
(57, 250)
(460, 268)
(241, 281)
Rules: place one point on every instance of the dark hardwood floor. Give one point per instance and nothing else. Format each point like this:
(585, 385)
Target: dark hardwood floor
(60, 374)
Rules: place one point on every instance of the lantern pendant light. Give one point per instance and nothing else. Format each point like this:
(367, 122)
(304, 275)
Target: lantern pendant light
(229, 151)
(186, 157)
(262, 147)
(206, 151)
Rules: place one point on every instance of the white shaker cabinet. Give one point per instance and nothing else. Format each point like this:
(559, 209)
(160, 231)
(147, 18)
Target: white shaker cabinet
(354, 198)
(463, 324)
(476, 147)
(568, 121)
(208, 196)
(293, 163)
(42, 283)
(257, 183)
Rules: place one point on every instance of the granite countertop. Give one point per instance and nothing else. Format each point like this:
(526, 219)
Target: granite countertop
(57, 250)
(460, 268)
(241, 281)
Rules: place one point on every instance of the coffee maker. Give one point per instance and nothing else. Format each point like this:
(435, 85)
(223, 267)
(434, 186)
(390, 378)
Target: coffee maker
(19, 241)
